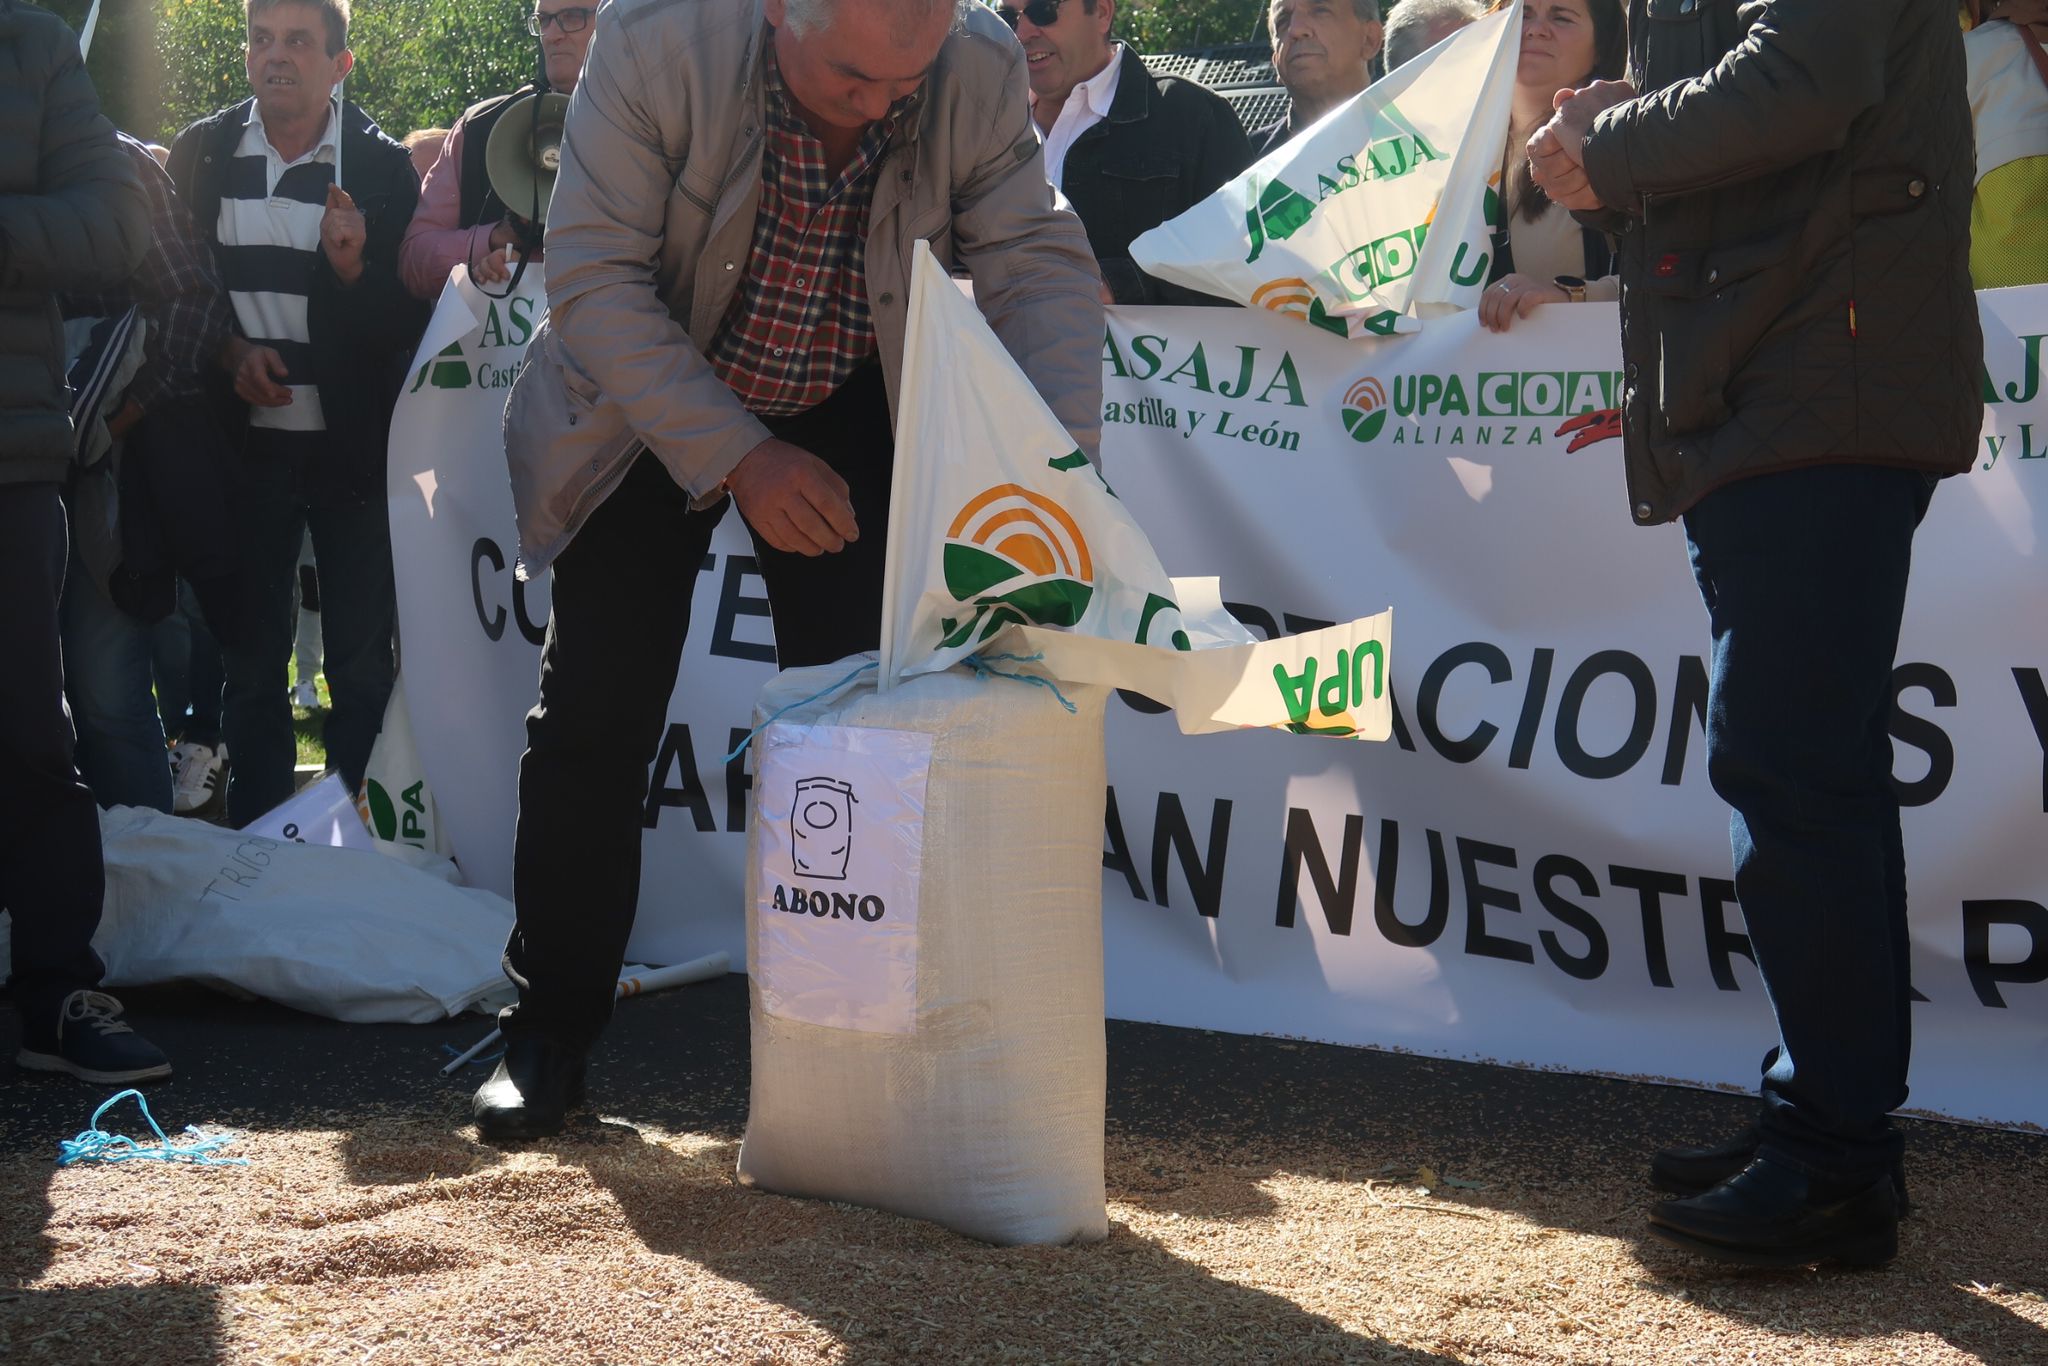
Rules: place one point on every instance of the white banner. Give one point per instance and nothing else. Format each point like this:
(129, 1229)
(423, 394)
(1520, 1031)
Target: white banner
(1534, 870)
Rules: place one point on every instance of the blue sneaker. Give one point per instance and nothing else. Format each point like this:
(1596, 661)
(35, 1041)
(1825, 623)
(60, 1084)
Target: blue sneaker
(89, 1040)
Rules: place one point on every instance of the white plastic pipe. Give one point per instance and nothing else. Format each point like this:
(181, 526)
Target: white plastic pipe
(652, 980)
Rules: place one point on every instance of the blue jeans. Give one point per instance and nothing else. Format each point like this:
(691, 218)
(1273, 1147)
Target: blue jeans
(107, 671)
(188, 673)
(353, 545)
(1804, 577)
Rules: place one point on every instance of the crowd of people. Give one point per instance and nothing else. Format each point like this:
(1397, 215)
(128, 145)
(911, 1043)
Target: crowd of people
(201, 348)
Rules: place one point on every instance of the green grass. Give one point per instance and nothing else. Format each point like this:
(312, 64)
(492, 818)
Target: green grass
(307, 725)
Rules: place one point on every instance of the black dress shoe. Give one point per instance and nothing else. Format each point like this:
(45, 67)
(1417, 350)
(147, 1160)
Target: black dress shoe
(1695, 1171)
(537, 1084)
(1771, 1215)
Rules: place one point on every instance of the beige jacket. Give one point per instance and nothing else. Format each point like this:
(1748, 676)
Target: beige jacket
(651, 224)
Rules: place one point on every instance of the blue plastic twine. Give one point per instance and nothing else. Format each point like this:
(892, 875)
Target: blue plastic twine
(96, 1145)
(980, 665)
(820, 695)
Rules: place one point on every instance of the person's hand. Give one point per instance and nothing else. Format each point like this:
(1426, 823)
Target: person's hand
(503, 234)
(123, 422)
(1515, 296)
(256, 371)
(1557, 153)
(1559, 173)
(493, 268)
(797, 502)
(342, 234)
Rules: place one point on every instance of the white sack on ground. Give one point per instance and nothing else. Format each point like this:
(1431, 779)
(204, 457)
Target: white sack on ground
(1378, 215)
(345, 933)
(925, 872)
(1005, 541)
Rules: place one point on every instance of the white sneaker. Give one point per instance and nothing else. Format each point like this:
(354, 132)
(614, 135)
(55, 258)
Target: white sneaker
(304, 694)
(196, 775)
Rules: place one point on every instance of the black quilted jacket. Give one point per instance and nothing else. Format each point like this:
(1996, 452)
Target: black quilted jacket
(72, 217)
(1794, 189)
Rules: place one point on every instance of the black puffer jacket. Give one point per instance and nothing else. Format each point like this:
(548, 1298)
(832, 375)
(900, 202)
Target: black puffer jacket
(72, 217)
(1795, 189)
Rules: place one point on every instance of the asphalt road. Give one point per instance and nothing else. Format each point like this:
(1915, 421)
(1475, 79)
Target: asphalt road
(679, 1060)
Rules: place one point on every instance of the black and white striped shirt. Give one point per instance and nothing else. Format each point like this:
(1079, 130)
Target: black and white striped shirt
(269, 235)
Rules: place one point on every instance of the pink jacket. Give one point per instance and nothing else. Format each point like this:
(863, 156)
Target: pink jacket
(434, 245)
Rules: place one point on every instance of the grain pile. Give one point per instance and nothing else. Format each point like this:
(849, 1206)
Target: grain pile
(400, 1238)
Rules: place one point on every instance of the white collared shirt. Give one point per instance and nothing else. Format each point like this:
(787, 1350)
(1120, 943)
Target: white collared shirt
(260, 209)
(1087, 105)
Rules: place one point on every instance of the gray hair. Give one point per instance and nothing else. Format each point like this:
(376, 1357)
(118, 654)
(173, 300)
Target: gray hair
(1368, 10)
(1408, 31)
(807, 16)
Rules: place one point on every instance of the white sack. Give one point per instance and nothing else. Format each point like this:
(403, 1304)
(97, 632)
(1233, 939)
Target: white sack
(1377, 215)
(987, 1114)
(345, 933)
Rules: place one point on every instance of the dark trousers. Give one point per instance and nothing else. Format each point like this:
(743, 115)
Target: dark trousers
(1804, 577)
(353, 544)
(51, 878)
(616, 626)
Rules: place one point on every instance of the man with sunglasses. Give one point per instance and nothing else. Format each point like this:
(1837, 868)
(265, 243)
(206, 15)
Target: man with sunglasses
(1128, 149)
(743, 187)
(460, 218)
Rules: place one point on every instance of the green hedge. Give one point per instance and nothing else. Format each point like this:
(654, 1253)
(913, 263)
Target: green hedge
(159, 64)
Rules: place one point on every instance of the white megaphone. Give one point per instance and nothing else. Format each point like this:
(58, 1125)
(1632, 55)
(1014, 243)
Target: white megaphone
(525, 154)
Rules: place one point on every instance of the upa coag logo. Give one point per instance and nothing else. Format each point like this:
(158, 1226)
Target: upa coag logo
(821, 850)
(1014, 555)
(1365, 409)
(1294, 297)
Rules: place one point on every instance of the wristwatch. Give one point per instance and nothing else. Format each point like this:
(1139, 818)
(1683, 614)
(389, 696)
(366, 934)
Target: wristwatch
(1574, 288)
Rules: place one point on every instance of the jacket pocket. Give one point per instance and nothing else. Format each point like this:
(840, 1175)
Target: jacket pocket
(1713, 305)
(1143, 192)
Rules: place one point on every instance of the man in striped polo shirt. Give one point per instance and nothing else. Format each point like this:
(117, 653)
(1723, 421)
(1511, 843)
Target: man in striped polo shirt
(305, 202)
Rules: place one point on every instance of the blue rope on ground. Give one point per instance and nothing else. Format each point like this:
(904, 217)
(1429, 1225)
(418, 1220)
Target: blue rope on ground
(980, 665)
(452, 1051)
(821, 694)
(96, 1145)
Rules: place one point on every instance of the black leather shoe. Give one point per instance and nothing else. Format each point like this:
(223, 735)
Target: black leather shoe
(1695, 1171)
(537, 1084)
(1771, 1215)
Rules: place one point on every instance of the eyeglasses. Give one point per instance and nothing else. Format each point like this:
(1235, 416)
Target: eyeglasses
(1041, 13)
(569, 21)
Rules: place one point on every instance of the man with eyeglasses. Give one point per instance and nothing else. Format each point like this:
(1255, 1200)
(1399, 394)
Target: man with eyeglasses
(743, 188)
(460, 218)
(1128, 149)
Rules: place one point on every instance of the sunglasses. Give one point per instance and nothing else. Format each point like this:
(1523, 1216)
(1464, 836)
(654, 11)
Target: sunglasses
(569, 20)
(1041, 13)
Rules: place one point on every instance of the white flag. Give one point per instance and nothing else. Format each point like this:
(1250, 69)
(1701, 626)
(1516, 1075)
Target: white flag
(1005, 542)
(1378, 215)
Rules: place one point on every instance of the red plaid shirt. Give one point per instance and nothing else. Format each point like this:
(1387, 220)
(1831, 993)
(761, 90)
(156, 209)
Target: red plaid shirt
(799, 324)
